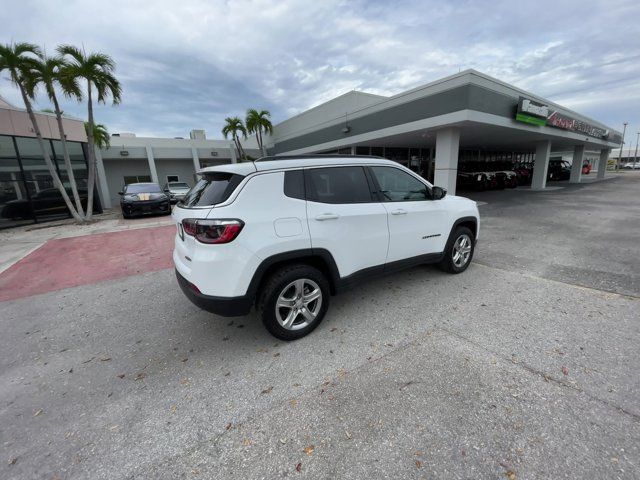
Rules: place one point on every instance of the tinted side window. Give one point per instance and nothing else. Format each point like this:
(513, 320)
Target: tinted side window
(294, 184)
(399, 186)
(213, 188)
(337, 185)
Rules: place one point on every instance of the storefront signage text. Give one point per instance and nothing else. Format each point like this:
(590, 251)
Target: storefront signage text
(535, 113)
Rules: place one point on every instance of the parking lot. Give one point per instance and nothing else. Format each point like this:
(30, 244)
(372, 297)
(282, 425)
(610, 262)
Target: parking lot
(525, 366)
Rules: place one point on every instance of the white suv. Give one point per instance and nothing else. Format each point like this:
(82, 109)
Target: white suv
(286, 233)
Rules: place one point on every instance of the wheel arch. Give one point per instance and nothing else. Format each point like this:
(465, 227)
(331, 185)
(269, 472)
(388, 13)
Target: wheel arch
(470, 222)
(316, 257)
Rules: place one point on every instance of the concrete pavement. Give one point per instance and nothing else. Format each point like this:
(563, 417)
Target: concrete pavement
(510, 370)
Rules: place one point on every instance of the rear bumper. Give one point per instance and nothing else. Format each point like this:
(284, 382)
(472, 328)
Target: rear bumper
(224, 306)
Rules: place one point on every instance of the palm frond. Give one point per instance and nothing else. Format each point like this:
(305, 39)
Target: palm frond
(101, 136)
(102, 61)
(233, 126)
(258, 121)
(24, 47)
(72, 51)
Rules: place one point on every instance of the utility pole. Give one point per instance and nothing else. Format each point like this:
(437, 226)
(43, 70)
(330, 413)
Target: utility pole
(624, 130)
(635, 155)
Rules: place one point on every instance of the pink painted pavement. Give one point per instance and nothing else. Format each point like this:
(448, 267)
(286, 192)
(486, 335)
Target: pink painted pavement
(74, 261)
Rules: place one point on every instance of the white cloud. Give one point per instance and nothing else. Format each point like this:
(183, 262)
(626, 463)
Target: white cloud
(190, 64)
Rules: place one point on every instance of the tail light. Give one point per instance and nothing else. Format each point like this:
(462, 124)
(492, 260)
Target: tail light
(212, 231)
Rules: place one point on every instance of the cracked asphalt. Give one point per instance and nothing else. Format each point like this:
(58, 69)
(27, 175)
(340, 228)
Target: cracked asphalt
(524, 367)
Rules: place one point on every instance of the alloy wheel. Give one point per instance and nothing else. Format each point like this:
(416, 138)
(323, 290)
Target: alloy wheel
(461, 250)
(298, 304)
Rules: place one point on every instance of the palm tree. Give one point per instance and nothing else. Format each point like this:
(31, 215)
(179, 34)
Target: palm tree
(258, 122)
(51, 73)
(234, 127)
(20, 60)
(97, 69)
(100, 135)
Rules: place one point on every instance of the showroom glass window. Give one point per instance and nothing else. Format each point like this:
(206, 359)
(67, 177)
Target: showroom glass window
(46, 200)
(337, 185)
(78, 163)
(399, 186)
(15, 208)
(27, 192)
(78, 166)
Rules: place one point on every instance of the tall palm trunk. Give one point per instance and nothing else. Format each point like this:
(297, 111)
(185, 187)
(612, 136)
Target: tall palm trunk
(242, 152)
(45, 153)
(262, 149)
(67, 158)
(91, 174)
(239, 147)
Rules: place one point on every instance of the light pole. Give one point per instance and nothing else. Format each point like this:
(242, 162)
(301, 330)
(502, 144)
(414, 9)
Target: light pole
(635, 155)
(624, 130)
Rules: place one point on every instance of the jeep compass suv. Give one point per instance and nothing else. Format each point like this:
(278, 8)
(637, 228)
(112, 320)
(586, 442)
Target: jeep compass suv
(286, 233)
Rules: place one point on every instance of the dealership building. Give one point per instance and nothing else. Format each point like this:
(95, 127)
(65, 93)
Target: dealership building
(27, 193)
(131, 159)
(432, 129)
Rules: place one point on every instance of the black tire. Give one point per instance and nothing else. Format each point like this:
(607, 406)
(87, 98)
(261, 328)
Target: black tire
(274, 287)
(448, 264)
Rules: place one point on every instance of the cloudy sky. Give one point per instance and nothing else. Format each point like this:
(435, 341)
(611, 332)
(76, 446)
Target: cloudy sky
(189, 63)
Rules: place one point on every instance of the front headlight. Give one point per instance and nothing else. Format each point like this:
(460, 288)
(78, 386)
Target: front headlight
(479, 178)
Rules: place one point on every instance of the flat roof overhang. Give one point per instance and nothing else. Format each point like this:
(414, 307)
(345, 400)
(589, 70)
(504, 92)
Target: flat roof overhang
(482, 107)
(477, 130)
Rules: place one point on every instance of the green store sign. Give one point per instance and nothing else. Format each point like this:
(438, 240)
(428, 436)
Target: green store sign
(535, 113)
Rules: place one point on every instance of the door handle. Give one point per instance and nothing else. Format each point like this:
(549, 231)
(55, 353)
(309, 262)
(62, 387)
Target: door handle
(327, 216)
(399, 211)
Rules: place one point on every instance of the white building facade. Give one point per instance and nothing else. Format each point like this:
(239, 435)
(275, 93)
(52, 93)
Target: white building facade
(131, 159)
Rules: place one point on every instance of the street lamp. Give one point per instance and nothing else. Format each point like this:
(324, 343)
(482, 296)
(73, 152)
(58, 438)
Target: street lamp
(624, 130)
(635, 155)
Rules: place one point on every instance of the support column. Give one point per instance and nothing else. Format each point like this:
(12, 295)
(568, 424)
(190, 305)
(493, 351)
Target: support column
(576, 164)
(152, 164)
(196, 159)
(541, 165)
(602, 163)
(447, 147)
(103, 190)
(232, 151)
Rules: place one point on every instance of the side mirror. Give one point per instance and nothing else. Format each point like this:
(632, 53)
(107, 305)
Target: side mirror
(438, 193)
(120, 193)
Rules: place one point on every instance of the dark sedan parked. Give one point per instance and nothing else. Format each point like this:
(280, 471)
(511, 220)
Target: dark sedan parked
(144, 199)
(48, 201)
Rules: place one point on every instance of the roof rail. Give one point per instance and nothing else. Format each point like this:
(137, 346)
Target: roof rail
(271, 158)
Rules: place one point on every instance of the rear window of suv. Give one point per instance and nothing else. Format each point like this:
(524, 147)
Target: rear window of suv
(211, 189)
